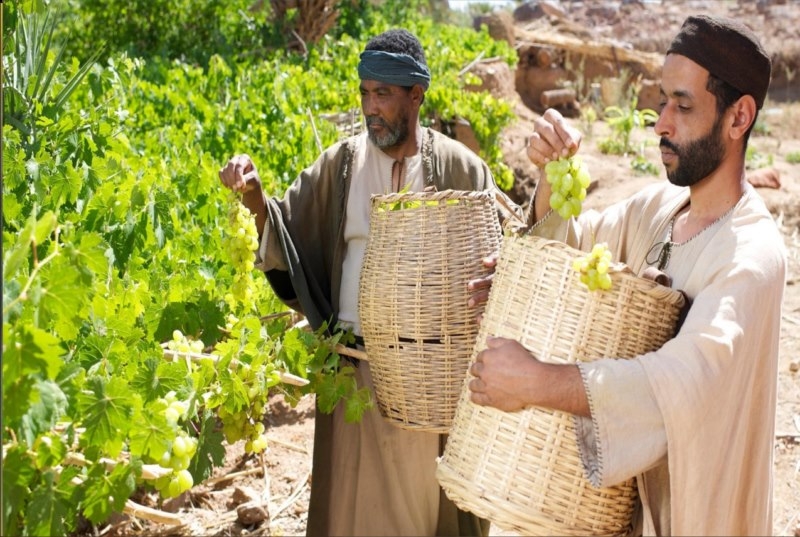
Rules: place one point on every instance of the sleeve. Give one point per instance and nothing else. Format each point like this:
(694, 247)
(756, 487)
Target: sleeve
(268, 255)
(625, 435)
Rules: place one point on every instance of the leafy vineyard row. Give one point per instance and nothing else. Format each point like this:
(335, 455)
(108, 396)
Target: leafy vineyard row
(125, 338)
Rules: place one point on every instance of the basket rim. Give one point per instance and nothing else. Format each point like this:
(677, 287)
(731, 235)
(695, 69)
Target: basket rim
(669, 295)
(431, 195)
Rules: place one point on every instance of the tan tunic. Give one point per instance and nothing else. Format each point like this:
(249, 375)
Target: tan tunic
(390, 487)
(693, 421)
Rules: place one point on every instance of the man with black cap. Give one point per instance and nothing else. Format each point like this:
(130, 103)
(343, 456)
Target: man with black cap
(370, 478)
(694, 420)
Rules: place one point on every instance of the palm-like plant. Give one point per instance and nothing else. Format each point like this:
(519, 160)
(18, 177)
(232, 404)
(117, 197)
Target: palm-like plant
(36, 81)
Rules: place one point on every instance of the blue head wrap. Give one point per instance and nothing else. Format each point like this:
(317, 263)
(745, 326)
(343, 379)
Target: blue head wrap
(392, 68)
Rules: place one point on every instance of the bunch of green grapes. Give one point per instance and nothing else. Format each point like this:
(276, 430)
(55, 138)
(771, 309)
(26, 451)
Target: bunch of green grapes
(593, 267)
(247, 422)
(177, 459)
(569, 179)
(175, 408)
(241, 241)
(181, 343)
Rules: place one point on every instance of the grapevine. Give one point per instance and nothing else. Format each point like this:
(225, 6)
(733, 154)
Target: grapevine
(569, 178)
(241, 242)
(593, 268)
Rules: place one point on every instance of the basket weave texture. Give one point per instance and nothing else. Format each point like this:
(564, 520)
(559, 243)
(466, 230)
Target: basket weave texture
(418, 330)
(523, 470)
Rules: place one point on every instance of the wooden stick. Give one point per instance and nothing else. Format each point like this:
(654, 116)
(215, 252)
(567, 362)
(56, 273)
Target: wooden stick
(149, 471)
(353, 353)
(154, 515)
(471, 64)
(314, 128)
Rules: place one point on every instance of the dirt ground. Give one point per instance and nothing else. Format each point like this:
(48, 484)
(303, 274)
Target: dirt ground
(280, 479)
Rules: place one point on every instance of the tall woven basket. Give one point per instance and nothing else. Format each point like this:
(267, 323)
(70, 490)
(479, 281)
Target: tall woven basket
(523, 469)
(418, 330)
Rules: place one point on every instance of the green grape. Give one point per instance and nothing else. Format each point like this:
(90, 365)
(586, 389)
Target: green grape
(241, 241)
(259, 444)
(180, 462)
(179, 446)
(174, 488)
(185, 480)
(568, 179)
(246, 422)
(593, 268)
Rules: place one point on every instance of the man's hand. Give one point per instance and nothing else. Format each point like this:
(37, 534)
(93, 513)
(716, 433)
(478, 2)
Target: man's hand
(240, 174)
(504, 374)
(510, 378)
(552, 139)
(480, 287)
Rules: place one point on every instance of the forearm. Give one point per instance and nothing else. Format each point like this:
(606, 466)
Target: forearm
(541, 199)
(560, 387)
(508, 377)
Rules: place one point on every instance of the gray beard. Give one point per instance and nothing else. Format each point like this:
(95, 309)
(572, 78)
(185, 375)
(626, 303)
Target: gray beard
(396, 134)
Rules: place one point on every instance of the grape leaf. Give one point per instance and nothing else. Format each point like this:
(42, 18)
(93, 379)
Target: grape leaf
(107, 407)
(16, 252)
(18, 476)
(332, 388)
(52, 509)
(294, 352)
(356, 404)
(88, 254)
(155, 377)
(66, 186)
(49, 405)
(62, 298)
(29, 350)
(106, 493)
(210, 450)
(150, 435)
(50, 450)
(233, 390)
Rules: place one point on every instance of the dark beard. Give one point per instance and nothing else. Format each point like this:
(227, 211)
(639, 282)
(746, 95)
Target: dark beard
(696, 159)
(398, 132)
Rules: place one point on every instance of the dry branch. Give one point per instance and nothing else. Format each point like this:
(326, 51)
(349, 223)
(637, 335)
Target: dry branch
(153, 515)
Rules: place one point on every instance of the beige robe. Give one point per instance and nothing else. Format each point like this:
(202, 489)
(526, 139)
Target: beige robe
(693, 421)
(372, 478)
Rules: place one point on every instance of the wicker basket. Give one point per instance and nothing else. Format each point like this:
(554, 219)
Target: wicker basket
(419, 332)
(522, 470)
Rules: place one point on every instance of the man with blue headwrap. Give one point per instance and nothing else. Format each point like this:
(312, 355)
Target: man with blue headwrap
(370, 478)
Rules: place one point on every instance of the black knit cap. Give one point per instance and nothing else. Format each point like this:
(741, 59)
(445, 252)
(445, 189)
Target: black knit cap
(728, 50)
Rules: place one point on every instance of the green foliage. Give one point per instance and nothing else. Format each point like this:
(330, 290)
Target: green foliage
(188, 30)
(793, 157)
(755, 159)
(112, 212)
(623, 121)
(641, 165)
